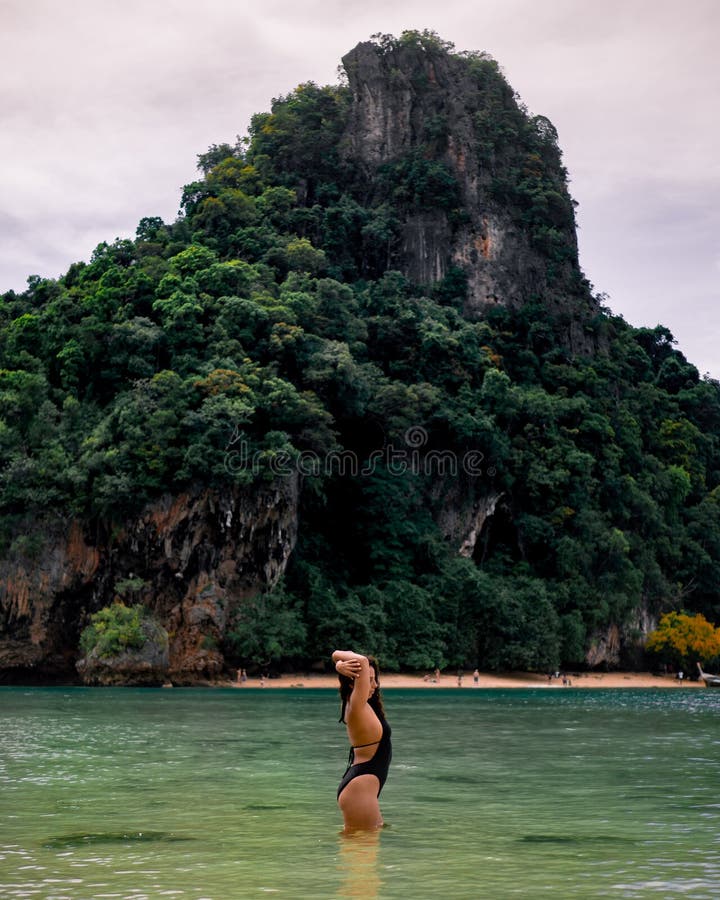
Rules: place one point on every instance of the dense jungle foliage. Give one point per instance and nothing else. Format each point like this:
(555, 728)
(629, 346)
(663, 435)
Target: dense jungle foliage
(265, 330)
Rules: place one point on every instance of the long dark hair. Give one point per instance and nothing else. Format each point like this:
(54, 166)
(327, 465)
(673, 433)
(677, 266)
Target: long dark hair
(346, 688)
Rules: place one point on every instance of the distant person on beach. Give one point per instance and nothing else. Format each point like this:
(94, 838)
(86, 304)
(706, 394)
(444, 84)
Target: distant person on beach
(369, 734)
(460, 677)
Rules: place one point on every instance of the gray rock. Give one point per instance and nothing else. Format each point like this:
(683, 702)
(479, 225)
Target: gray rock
(399, 94)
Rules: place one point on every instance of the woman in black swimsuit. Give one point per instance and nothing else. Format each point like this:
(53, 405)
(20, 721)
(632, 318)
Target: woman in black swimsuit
(369, 734)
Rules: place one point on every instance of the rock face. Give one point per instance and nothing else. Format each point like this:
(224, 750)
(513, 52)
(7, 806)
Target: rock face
(409, 99)
(462, 507)
(622, 646)
(193, 559)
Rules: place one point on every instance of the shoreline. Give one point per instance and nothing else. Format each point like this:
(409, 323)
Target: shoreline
(487, 680)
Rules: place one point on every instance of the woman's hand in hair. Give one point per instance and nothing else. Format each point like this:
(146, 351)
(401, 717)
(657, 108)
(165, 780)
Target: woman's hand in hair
(351, 668)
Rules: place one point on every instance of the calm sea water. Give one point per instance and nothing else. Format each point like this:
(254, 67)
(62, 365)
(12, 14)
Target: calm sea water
(559, 793)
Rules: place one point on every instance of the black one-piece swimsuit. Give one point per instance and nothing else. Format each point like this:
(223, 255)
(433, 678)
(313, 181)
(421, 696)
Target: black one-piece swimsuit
(378, 765)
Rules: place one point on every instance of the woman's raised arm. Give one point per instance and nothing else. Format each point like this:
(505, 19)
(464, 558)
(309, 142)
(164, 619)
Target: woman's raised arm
(343, 655)
(353, 665)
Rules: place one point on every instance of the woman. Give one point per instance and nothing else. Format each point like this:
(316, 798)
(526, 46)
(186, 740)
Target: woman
(369, 735)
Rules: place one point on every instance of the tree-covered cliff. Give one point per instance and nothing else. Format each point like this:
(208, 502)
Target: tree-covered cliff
(358, 393)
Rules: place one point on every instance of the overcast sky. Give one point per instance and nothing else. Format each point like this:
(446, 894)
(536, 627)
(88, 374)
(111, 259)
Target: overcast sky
(105, 105)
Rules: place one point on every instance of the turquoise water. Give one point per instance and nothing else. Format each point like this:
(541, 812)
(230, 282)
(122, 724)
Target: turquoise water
(224, 794)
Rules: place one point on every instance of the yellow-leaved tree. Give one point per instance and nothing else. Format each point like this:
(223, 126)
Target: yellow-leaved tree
(682, 641)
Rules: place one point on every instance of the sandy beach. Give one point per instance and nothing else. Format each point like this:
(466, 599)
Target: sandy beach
(486, 680)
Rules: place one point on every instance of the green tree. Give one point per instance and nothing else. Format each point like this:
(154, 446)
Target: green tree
(113, 630)
(267, 629)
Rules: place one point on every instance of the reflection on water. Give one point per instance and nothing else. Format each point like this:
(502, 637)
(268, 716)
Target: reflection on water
(359, 865)
(227, 795)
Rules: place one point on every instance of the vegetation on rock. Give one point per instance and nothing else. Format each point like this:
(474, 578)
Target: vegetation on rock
(114, 630)
(271, 327)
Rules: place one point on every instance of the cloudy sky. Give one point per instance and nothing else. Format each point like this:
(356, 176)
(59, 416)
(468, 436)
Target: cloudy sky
(105, 104)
